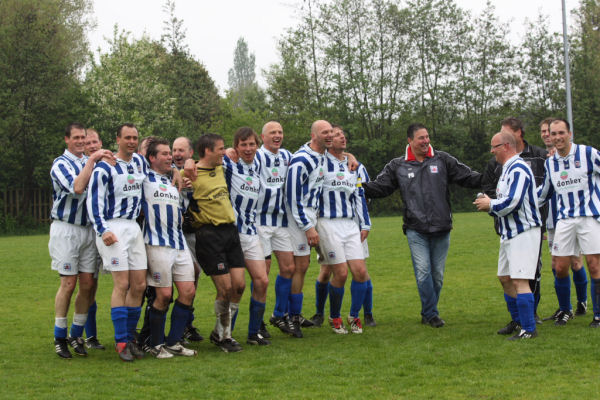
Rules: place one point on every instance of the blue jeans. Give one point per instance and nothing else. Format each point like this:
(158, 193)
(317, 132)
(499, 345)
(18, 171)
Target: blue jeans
(428, 252)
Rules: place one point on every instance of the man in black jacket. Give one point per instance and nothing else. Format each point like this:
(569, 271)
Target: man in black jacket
(535, 157)
(422, 176)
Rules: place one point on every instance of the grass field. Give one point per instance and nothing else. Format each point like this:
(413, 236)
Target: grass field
(400, 358)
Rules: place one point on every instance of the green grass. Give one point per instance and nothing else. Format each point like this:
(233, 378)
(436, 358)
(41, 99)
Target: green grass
(400, 358)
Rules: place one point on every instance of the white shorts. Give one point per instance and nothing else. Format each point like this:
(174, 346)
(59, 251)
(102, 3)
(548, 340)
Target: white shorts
(298, 236)
(551, 242)
(518, 256)
(166, 264)
(339, 241)
(274, 238)
(577, 235)
(129, 252)
(72, 249)
(251, 247)
(190, 240)
(365, 247)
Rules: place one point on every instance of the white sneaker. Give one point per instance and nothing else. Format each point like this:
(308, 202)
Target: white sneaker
(160, 352)
(355, 324)
(178, 350)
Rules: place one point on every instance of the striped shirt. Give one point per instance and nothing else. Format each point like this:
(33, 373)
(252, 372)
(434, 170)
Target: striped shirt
(304, 184)
(116, 192)
(516, 202)
(364, 221)
(243, 183)
(68, 206)
(271, 202)
(163, 212)
(575, 181)
(341, 197)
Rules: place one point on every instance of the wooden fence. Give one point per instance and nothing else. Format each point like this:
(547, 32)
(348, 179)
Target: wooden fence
(39, 204)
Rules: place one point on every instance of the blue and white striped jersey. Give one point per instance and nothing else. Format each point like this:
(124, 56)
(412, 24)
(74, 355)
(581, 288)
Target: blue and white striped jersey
(575, 180)
(271, 202)
(67, 206)
(364, 221)
(116, 192)
(163, 212)
(243, 183)
(341, 197)
(304, 183)
(552, 213)
(516, 202)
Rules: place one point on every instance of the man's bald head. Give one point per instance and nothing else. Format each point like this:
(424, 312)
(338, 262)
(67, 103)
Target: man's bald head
(182, 151)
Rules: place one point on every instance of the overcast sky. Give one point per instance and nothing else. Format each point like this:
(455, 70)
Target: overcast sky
(213, 27)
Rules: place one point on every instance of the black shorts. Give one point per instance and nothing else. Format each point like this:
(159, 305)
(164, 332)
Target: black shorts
(218, 249)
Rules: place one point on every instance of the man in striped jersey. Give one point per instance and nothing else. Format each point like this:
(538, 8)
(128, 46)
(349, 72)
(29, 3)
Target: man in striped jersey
(114, 204)
(304, 183)
(573, 175)
(71, 243)
(168, 257)
(243, 183)
(272, 220)
(340, 246)
(217, 241)
(579, 275)
(516, 207)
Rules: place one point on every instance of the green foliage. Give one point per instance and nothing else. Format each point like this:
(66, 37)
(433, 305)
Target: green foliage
(398, 359)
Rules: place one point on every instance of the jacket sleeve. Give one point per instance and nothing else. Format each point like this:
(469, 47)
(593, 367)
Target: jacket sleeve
(384, 184)
(461, 174)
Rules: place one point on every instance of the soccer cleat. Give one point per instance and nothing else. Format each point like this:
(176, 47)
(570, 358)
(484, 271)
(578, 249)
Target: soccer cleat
(511, 327)
(191, 333)
(305, 323)
(581, 308)
(317, 320)
(93, 343)
(281, 323)
(553, 316)
(295, 325)
(124, 353)
(537, 319)
(227, 345)
(355, 324)
(160, 352)
(178, 350)
(263, 331)
(78, 345)
(135, 350)
(595, 323)
(563, 317)
(258, 339)
(338, 326)
(523, 334)
(369, 320)
(62, 348)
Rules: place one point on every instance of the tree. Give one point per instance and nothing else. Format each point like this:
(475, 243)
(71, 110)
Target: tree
(42, 50)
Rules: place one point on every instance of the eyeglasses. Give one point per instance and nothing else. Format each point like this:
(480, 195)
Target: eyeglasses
(498, 145)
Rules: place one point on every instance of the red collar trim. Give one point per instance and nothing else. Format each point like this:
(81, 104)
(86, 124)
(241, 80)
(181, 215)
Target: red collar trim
(411, 157)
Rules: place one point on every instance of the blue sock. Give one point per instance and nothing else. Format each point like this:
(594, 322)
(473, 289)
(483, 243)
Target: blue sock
(90, 324)
(525, 305)
(179, 319)
(257, 310)
(336, 296)
(296, 303)
(191, 317)
(119, 320)
(133, 316)
(368, 303)
(563, 292)
(282, 294)
(76, 330)
(595, 289)
(321, 297)
(511, 304)
(580, 281)
(157, 320)
(357, 291)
